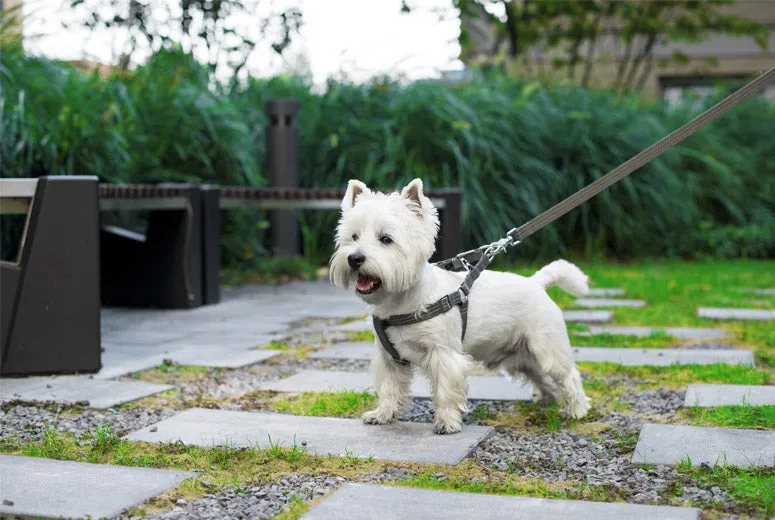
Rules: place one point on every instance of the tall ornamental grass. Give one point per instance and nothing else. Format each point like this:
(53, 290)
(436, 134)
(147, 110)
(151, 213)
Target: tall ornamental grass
(514, 148)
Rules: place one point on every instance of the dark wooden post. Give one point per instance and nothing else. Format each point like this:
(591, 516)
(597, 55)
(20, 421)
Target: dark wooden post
(211, 244)
(451, 224)
(282, 164)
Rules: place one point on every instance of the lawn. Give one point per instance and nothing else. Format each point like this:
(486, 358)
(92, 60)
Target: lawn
(674, 290)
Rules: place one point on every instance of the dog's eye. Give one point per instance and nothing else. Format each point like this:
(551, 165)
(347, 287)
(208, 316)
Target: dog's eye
(385, 239)
(354, 237)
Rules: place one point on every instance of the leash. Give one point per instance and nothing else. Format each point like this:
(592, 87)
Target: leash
(463, 261)
(476, 261)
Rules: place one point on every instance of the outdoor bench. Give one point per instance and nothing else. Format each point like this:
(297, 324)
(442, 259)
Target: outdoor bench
(50, 294)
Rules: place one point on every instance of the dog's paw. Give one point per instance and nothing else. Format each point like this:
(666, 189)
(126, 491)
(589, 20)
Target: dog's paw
(377, 417)
(578, 409)
(442, 428)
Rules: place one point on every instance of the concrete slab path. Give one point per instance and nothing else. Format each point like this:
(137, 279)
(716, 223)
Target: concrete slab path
(671, 444)
(729, 395)
(97, 393)
(36, 487)
(400, 441)
(484, 388)
(374, 502)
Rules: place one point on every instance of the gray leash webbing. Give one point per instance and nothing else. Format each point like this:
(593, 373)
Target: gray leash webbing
(463, 260)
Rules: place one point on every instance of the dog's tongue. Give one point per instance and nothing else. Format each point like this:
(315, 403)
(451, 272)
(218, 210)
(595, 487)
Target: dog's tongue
(365, 283)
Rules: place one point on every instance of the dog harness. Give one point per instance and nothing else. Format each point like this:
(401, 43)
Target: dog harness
(446, 303)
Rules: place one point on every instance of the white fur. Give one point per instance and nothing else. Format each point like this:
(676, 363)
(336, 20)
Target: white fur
(513, 325)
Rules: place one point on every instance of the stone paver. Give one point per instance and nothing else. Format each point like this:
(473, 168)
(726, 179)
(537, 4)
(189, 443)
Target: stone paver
(400, 441)
(677, 332)
(605, 292)
(625, 356)
(71, 389)
(735, 314)
(373, 502)
(578, 316)
(729, 395)
(608, 302)
(346, 350)
(669, 444)
(54, 489)
(663, 356)
(588, 316)
(485, 388)
(122, 360)
(223, 358)
(222, 335)
(355, 326)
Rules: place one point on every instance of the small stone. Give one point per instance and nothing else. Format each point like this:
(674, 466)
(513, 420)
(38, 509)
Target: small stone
(439, 475)
(154, 428)
(181, 502)
(7, 502)
(167, 361)
(48, 386)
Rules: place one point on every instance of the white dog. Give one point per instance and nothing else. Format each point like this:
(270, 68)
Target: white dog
(383, 245)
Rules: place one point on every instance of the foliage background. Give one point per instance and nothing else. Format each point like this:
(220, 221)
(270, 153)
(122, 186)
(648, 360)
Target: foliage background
(514, 147)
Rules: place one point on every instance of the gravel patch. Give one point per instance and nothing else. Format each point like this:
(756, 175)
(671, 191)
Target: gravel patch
(706, 345)
(563, 456)
(340, 365)
(656, 402)
(267, 500)
(27, 422)
(422, 411)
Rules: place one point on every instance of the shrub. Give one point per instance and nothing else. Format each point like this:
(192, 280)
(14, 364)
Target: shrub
(515, 149)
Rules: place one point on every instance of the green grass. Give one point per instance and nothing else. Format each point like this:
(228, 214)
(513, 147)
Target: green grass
(513, 485)
(678, 376)
(339, 404)
(674, 290)
(277, 345)
(753, 489)
(171, 374)
(654, 340)
(294, 509)
(760, 417)
(362, 335)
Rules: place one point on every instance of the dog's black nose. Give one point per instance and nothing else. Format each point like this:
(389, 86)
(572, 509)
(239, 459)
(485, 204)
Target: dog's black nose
(356, 260)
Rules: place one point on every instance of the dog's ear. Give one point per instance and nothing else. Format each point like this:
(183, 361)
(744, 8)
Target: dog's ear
(354, 188)
(413, 191)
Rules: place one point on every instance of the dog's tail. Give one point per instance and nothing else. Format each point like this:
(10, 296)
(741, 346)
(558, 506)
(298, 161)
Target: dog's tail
(563, 273)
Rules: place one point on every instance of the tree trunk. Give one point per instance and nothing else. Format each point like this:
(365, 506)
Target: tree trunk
(591, 50)
(645, 53)
(623, 64)
(511, 29)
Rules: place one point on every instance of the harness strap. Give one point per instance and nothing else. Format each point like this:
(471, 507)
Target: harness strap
(444, 304)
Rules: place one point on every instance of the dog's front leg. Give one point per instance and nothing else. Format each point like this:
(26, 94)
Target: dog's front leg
(447, 371)
(392, 381)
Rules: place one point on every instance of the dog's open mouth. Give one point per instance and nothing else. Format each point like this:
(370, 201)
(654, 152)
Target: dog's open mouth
(367, 284)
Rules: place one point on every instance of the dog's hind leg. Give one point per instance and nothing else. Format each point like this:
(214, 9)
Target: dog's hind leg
(392, 381)
(447, 370)
(568, 381)
(544, 363)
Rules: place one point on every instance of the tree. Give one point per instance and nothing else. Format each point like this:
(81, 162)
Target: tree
(207, 28)
(573, 28)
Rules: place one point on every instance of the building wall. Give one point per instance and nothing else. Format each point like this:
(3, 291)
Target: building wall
(719, 57)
